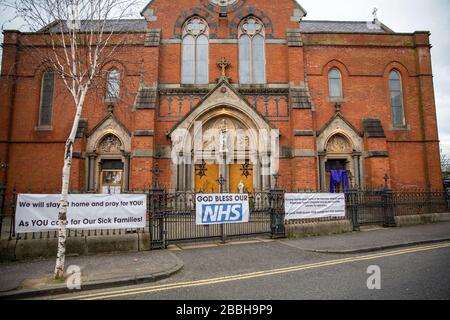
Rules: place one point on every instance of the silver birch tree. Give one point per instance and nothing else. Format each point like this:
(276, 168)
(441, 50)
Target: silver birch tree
(80, 36)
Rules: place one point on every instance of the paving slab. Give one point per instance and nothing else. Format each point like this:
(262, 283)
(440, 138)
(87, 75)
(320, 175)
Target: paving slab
(32, 278)
(374, 239)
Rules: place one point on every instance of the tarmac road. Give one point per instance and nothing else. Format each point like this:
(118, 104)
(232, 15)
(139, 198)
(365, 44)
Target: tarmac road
(273, 271)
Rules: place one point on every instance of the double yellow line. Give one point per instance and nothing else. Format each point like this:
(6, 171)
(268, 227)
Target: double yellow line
(252, 275)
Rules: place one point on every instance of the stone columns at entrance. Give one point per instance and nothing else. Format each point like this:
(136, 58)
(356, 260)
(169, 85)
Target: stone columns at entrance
(91, 172)
(126, 171)
(265, 171)
(357, 171)
(322, 171)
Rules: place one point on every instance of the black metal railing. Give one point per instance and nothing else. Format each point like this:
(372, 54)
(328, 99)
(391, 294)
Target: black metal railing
(173, 219)
(171, 216)
(2, 202)
(383, 205)
(8, 221)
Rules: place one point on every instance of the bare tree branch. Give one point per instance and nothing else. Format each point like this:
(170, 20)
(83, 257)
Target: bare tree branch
(445, 162)
(74, 38)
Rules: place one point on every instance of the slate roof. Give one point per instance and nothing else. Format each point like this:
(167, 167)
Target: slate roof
(300, 98)
(146, 98)
(126, 25)
(82, 128)
(312, 26)
(373, 128)
(307, 26)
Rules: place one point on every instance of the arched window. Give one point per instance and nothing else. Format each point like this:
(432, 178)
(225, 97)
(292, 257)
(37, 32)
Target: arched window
(335, 83)
(46, 106)
(396, 95)
(252, 52)
(113, 85)
(195, 62)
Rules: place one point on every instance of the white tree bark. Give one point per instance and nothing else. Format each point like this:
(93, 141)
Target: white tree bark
(76, 53)
(62, 218)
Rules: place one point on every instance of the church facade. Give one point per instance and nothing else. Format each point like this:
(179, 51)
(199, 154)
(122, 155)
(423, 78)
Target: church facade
(249, 91)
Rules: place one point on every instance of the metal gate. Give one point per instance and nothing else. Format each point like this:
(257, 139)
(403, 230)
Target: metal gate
(173, 219)
(367, 207)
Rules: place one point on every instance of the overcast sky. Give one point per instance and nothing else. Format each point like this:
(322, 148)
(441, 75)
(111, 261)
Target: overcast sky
(399, 15)
(404, 16)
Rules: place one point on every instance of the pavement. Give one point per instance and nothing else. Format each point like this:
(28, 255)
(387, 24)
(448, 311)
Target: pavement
(34, 278)
(375, 239)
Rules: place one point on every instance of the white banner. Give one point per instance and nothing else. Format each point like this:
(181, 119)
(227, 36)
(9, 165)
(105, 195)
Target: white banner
(222, 208)
(314, 205)
(39, 212)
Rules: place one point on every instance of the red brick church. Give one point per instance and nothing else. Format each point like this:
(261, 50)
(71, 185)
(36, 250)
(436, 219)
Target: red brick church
(342, 95)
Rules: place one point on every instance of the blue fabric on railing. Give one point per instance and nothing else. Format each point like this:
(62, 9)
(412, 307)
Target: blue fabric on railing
(336, 178)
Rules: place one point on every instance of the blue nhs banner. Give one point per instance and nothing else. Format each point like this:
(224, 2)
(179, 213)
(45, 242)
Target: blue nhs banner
(222, 208)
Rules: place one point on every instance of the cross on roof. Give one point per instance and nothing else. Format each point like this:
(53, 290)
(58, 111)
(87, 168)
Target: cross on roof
(375, 13)
(224, 65)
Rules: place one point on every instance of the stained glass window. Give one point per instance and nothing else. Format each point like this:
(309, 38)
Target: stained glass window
(195, 61)
(47, 91)
(113, 85)
(335, 82)
(396, 95)
(252, 53)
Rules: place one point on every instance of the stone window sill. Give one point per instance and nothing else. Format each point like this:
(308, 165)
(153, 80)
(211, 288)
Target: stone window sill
(43, 128)
(253, 86)
(112, 101)
(406, 127)
(336, 100)
(194, 86)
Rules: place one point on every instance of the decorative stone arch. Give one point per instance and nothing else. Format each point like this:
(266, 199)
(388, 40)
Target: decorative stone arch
(223, 9)
(200, 12)
(109, 140)
(257, 13)
(340, 141)
(342, 67)
(244, 127)
(115, 64)
(405, 88)
(339, 145)
(40, 69)
(396, 65)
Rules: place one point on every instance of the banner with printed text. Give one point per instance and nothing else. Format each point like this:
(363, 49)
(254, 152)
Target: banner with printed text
(314, 205)
(222, 208)
(39, 212)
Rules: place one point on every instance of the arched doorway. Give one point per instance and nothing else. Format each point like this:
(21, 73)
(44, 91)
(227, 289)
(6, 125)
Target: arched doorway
(339, 153)
(225, 151)
(108, 153)
(110, 165)
(340, 147)
(224, 137)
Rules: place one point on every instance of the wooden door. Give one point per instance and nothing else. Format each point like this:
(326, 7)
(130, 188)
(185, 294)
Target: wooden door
(206, 176)
(238, 173)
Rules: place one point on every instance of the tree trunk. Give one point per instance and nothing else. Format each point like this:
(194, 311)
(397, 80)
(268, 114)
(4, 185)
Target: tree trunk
(62, 217)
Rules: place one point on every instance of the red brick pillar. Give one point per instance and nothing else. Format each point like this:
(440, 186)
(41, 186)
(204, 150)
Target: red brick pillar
(7, 96)
(376, 162)
(304, 170)
(143, 140)
(432, 165)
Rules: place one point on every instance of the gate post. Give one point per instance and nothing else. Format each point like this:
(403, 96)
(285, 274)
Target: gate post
(351, 198)
(388, 207)
(223, 235)
(447, 193)
(2, 202)
(156, 205)
(277, 212)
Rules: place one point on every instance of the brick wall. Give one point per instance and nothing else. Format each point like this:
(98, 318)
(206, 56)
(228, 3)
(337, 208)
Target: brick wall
(35, 157)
